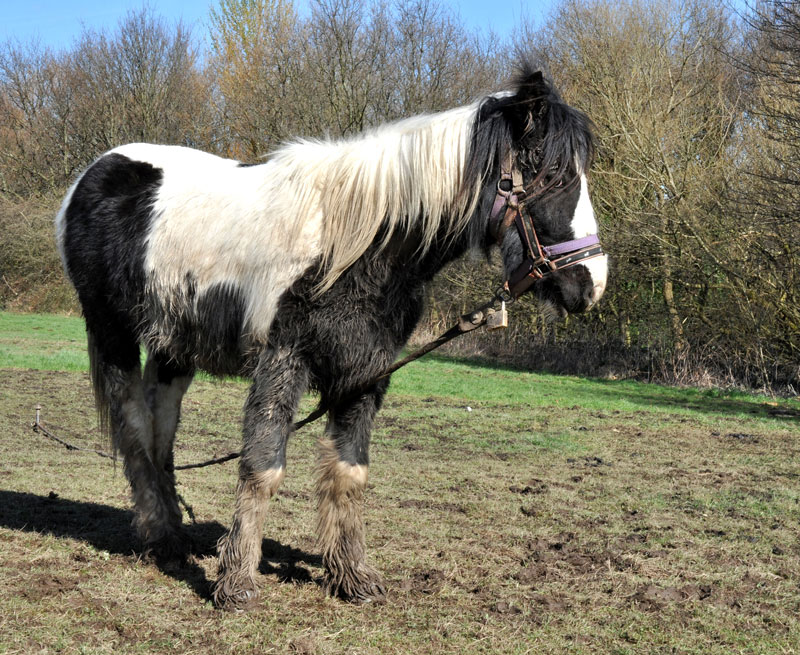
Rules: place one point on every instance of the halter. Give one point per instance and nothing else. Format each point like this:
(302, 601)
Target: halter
(537, 263)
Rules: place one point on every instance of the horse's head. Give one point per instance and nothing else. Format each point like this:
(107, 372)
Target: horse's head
(538, 200)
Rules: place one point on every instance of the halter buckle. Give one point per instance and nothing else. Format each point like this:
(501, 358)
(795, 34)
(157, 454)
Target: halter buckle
(541, 260)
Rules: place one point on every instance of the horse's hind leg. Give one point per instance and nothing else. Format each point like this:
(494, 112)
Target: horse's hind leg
(120, 395)
(278, 383)
(342, 479)
(165, 384)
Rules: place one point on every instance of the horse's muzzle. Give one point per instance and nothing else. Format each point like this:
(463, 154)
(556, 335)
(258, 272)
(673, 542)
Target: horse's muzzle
(569, 291)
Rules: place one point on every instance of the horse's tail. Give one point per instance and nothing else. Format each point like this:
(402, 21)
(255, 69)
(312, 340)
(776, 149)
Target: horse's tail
(91, 244)
(98, 370)
(101, 385)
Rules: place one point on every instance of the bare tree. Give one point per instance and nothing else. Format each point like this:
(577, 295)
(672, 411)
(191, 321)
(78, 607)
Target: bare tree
(256, 63)
(438, 63)
(138, 83)
(59, 111)
(654, 78)
(30, 133)
(347, 57)
(766, 198)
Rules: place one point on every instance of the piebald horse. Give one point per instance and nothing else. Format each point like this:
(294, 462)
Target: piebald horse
(307, 271)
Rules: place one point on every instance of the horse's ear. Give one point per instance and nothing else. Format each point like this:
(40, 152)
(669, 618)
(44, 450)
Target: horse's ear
(529, 102)
(533, 87)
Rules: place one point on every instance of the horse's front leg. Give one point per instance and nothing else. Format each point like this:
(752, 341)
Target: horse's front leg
(279, 381)
(341, 482)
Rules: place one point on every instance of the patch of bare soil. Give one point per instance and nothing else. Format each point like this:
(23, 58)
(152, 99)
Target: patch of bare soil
(303, 646)
(533, 486)
(411, 447)
(504, 607)
(591, 461)
(565, 557)
(740, 437)
(42, 585)
(652, 598)
(423, 582)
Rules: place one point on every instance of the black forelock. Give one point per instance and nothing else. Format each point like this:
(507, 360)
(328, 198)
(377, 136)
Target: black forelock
(568, 138)
(566, 132)
(545, 134)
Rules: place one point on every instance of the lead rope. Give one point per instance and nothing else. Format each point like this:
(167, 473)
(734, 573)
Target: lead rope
(466, 323)
(492, 312)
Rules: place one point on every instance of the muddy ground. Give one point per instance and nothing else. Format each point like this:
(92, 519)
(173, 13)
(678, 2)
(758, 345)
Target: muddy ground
(516, 528)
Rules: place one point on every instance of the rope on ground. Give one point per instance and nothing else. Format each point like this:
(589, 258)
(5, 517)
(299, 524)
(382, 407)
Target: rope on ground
(39, 427)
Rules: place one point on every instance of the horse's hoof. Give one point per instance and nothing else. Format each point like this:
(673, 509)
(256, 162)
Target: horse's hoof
(174, 547)
(366, 587)
(239, 601)
(373, 593)
(235, 593)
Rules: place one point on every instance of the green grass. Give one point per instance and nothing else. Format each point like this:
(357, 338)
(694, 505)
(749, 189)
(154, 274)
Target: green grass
(559, 515)
(44, 342)
(58, 343)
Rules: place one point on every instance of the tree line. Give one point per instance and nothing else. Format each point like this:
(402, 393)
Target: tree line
(696, 181)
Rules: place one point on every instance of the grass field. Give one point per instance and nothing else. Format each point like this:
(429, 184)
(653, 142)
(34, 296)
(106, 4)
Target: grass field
(555, 515)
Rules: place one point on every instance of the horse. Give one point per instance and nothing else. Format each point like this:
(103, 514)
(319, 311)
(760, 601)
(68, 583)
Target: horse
(307, 272)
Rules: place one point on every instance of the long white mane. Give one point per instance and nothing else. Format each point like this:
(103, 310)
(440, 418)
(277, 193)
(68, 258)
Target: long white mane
(397, 177)
(255, 230)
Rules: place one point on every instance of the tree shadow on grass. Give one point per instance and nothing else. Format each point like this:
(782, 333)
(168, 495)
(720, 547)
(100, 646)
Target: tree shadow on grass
(109, 529)
(649, 395)
(699, 401)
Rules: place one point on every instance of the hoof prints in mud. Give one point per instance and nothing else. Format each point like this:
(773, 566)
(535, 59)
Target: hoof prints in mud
(502, 607)
(591, 461)
(549, 560)
(531, 487)
(654, 599)
(42, 585)
(741, 437)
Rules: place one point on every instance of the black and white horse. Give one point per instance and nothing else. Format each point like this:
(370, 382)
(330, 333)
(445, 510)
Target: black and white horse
(307, 272)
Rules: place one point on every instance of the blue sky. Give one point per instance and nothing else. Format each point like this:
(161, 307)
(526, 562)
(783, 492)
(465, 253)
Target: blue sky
(56, 23)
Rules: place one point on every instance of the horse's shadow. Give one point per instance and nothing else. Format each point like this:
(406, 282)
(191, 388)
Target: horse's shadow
(109, 529)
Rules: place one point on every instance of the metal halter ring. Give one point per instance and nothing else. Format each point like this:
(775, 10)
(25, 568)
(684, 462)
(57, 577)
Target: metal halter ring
(502, 294)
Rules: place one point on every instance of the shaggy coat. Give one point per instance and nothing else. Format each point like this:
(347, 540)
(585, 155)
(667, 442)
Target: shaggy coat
(304, 272)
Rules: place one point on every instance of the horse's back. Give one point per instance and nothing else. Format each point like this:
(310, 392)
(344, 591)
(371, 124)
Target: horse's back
(189, 251)
(117, 196)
